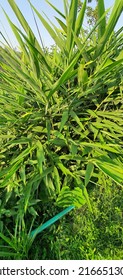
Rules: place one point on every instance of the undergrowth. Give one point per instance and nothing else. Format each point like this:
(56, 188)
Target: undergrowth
(83, 235)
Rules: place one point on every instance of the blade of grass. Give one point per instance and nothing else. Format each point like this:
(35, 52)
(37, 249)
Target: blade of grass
(115, 14)
(102, 25)
(80, 18)
(71, 24)
(88, 173)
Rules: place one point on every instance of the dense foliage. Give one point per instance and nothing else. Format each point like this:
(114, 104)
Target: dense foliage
(82, 235)
(61, 120)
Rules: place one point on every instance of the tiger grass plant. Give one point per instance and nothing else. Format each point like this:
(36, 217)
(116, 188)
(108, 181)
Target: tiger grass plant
(61, 113)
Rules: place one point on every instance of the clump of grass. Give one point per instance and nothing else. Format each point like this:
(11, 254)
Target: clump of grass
(61, 116)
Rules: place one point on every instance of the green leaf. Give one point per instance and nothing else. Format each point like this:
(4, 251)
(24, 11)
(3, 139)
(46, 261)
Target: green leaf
(56, 179)
(9, 172)
(76, 118)
(49, 187)
(49, 29)
(69, 197)
(26, 27)
(64, 27)
(64, 77)
(27, 193)
(108, 147)
(82, 75)
(114, 16)
(102, 25)
(84, 191)
(22, 155)
(111, 170)
(40, 156)
(63, 120)
(48, 126)
(88, 173)
(59, 12)
(7, 254)
(23, 174)
(18, 37)
(71, 19)
(73, 148)
(79, 199)
(80, 18)
(65, 170)
(8, 241)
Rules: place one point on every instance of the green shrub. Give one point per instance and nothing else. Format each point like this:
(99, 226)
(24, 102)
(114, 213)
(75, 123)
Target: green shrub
(61, 119)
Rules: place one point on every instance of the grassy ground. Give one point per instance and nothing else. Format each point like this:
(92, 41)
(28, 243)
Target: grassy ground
(83, 235)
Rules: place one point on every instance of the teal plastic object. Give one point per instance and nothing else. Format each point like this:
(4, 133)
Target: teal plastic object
(51, 221)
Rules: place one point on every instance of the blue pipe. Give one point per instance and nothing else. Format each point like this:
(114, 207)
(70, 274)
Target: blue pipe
(51, 221)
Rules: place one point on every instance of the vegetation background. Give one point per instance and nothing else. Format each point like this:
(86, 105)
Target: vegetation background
(61, 136)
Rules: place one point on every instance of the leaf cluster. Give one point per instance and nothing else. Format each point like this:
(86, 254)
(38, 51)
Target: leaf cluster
(61, 113)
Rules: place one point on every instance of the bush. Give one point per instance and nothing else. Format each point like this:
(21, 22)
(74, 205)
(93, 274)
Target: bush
(61, 122)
